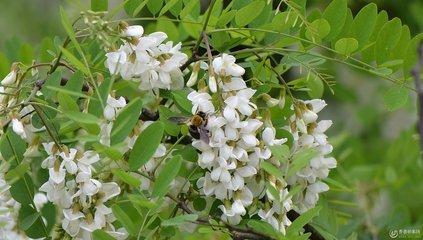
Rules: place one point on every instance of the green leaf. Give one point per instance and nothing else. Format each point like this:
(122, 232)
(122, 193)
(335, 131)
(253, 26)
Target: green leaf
(16, 173)
(346, 46)
(248, 13)
(23, 190)
(99, 5)
(395, 98)
(387, 39)
(263, 227)
(154, 6)
(188, 8)
(125, 121)
(145, 146)
(182, 101)
(12, 146)
(52, 81)
(363, 24)
(48, 212)
(69, 30)
(168, 6)
(30, 222)
(318, 29)
(335, 13)
(166, 176)
(125, 220)
(75, 82)
(141, 201)
(101, 235)
(104, 89)
(133, 7)
(180, 220)
(368, 53)
(126, 177)
(315, 87)
(280, 152)
(74, 61)
(171, 128)
(302, 220)
(67, 103)
(272, 170)
(300, 160)
(80, 117)
(226, 18)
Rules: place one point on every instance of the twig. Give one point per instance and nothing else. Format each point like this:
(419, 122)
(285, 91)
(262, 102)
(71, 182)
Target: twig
(419, 90)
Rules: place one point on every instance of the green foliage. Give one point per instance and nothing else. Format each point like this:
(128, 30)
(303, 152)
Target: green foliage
(166, 176)
(125, 121)
(145, 145)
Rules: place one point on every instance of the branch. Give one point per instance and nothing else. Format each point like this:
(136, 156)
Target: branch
(419, 89)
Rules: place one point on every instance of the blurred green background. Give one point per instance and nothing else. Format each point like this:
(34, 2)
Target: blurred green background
(379, 174)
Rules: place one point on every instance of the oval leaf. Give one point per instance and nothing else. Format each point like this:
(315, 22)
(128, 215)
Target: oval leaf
(166, 176)
(145, 145)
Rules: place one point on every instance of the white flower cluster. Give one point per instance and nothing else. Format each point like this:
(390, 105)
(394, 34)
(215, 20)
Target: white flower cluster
(238, 142)
(72, 187)
(147, 60)
(310, 133)
(8, 214)
(234, 150)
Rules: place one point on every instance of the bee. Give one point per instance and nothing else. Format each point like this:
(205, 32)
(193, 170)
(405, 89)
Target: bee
(196, 125)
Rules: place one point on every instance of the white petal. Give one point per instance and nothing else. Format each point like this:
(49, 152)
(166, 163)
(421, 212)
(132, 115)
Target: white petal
(134, 31)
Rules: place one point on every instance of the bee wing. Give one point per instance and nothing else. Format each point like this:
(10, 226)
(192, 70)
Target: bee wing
(179, 120)
(204, 134)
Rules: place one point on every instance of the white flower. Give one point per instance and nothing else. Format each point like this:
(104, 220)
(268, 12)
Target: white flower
(229, 216)
(57, 193)
(10, 79)
(226, 66)
(134, 31)
(68, 160)
(269, 137)
(241, 101)
(207, 156)
(269, 218)
(316, 105)
(18, 128)
(71, 227)
(105, 130)
(201, 102)
(235, 84)
(88, 186)
(113, 107)
(221, 173)
(115, 61)
(312, 192)
(248, 133)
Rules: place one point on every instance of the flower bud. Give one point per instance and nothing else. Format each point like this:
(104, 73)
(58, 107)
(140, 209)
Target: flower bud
(9, 79)
(194, 75)
(212, 83)
(18, 128)
(134, 31)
